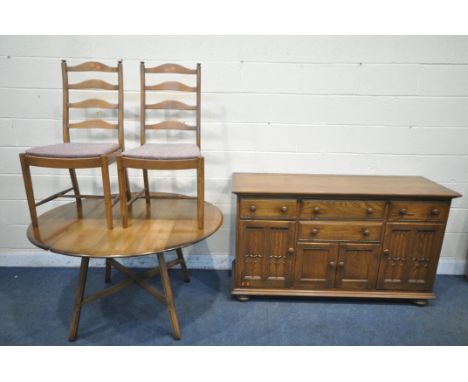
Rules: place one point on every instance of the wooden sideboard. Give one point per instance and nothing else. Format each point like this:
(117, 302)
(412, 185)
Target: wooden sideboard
(338, 235)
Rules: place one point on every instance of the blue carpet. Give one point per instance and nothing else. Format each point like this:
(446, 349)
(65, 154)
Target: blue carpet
(35, 306)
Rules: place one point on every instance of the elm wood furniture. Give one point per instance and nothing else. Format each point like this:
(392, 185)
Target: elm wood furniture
(170, 223)
(80, 155)
(338, 235)
(164, 156)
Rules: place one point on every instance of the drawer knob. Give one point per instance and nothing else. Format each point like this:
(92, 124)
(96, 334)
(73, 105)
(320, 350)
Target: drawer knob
(290, 251)
(403, 211)
(331, 263)
(314, 231)
(284, 209)
(316, 209)
(370, 210)
(253, 208)
(435, 212)
(365, 232)
(386, 252)
(341, 264)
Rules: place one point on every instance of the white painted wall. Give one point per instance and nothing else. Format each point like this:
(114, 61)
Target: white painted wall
(344, 105)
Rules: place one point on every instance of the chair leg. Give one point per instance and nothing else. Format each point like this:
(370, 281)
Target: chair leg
(122, 192)
(76, 190)
(169, 296)
(127, 184)
(146, 184)
(201, 192)
(107, 277)
(107, 191)
(183, 266)
(28, 186)
(79, 293)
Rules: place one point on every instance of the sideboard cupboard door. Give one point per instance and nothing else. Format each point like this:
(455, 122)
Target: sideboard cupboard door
(410, 256)
(358, 265)
(266, 250)
(315, 265)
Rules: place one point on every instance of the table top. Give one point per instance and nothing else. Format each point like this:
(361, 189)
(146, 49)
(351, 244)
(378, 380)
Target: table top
(344, 185)
(169, 223)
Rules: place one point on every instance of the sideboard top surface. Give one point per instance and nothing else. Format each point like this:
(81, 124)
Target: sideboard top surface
(346, 185)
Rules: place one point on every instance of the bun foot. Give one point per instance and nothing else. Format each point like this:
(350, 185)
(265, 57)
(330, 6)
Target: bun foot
(420, 302)
(242, 298)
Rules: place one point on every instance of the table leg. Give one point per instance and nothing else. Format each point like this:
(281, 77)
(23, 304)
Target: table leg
(183, 266)
(107, 278)
(79, 293)
(169, 296)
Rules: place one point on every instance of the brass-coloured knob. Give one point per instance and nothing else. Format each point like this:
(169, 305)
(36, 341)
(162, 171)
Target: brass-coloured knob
(290, 251)
(316, 209)
(314, 231)
(253, 208)
(386, 252)
(365, 232)
(331, 263)
(370, 210)
(403, 211)
(284, 209)
(341, 264)
(435, 212)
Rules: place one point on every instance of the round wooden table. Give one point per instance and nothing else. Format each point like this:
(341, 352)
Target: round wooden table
(168, 223)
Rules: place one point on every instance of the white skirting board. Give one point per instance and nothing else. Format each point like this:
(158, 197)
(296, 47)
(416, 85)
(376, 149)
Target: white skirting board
(447, 266)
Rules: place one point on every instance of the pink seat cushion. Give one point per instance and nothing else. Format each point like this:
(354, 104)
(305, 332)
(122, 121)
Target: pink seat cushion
(164, 151)
(73, 150)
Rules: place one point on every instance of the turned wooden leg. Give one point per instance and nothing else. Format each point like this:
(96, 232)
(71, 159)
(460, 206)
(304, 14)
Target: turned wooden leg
(146, 185)
(420, 302)
(122, 192)
(169, 296)
(107, 277)
(79, 293)
(107, 191)
(28, 187)
(76, 190)
(127, 185)
(183, 266)
(201, 192)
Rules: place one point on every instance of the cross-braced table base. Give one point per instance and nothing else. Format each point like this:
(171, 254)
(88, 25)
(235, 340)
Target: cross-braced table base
(165, 297)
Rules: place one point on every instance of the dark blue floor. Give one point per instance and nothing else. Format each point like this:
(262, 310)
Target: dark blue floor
(35, 307)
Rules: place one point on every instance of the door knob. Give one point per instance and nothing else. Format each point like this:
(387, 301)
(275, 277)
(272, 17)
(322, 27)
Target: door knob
(284, 209)
(331, 263)
(341, 264)
(253, 208)
(291, 251)
(386, 252)
(370, 210)
(316, 209)
(365, 232)
(314, 231)
(435, 212)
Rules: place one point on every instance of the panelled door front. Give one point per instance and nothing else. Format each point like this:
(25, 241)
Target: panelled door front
(315, 265)
(266, 250)
(410, 256)
(358, 265)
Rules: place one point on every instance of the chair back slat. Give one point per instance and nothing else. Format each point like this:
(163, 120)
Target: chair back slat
(169, 104)
(93, 123)
(93, 84)
(170, 125)
(92, 66)
(172, 85)
(92, 103)
(171, 68)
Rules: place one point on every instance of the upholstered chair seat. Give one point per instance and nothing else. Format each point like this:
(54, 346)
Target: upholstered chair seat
(162, 151)
(73, 150)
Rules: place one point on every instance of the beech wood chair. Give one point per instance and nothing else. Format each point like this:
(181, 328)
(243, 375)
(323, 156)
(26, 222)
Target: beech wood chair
(80, 155)
(164, 156)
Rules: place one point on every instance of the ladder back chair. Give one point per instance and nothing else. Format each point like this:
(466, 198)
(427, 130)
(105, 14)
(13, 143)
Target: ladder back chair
(165, 156)
(71, 155)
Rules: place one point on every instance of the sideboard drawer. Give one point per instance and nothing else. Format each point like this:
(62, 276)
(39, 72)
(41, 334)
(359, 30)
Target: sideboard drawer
(342, 209)
(268, 208)
(429, 211)
(333, 231)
